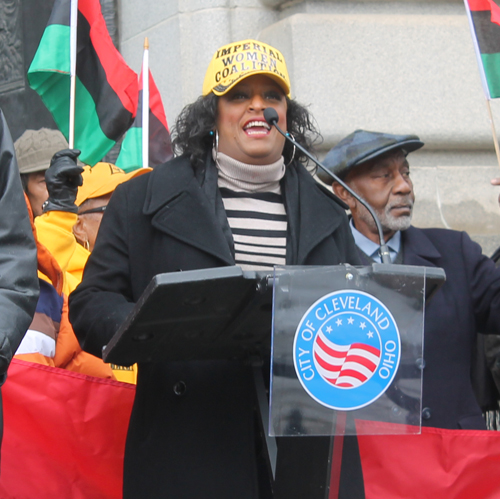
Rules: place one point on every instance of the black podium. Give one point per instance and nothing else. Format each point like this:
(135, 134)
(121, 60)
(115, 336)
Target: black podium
(222, 313)
(254, 317)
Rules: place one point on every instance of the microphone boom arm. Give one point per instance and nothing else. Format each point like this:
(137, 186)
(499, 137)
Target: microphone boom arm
(271, 116)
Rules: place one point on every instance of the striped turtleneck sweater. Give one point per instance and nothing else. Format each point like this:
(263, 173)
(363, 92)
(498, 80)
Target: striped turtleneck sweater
(255, 211)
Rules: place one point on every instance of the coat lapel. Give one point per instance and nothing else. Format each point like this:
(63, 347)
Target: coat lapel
(180, 208)
(309, 210)
(419, 249)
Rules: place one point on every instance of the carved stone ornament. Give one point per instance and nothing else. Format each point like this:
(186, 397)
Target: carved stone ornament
(11, 46)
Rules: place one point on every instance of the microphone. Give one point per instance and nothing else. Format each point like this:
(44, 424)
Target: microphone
(271, 116)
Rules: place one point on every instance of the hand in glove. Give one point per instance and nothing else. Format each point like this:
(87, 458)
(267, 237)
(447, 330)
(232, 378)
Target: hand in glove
(63, 179)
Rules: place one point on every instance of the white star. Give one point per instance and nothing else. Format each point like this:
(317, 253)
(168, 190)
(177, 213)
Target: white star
(329, 329)
(339, 322)
(362, 325)
(370, 334)
(350, 320)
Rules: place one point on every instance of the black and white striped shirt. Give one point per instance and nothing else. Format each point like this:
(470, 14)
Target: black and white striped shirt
(259, 224)
(255, 211)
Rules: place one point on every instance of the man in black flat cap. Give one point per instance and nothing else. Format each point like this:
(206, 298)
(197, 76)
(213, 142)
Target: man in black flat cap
(375, 166)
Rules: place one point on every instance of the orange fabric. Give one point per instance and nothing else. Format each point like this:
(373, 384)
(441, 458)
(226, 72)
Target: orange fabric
(47, 264)
(36, 358)
(54, 231)
(69, 354)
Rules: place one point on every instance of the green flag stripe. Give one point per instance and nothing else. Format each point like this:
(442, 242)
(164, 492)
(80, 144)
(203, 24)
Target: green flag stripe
(130, 157)
(57, 56)
(491, 64)
(86, 131)
(50, 83)
(55, 59)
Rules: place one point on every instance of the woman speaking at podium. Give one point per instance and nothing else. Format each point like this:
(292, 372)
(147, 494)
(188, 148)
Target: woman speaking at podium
(236, 194)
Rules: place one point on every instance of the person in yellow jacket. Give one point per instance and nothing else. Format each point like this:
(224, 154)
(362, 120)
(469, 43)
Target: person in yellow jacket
(50, 339)
(68, 227)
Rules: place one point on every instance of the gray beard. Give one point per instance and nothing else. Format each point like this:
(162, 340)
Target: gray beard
(389, 222)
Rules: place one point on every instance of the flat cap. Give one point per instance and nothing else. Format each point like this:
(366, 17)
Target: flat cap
(361, 146)
(35, 148)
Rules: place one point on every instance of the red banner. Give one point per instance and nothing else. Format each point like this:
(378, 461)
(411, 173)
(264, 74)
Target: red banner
(457, 464)
(64, 434)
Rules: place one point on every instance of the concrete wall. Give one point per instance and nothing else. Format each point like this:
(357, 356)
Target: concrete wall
(401, 67)
(183, 36)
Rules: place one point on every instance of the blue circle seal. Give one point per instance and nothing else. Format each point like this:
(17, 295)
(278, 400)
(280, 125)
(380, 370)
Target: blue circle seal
(346, 350)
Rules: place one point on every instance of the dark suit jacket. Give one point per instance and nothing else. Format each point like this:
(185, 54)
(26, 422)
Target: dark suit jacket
(468, 302)
(200, 444)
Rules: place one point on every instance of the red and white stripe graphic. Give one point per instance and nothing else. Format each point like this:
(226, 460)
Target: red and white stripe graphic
(345, 366)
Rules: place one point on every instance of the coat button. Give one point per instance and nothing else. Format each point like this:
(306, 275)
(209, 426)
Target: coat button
(180, 388)
(426, 413)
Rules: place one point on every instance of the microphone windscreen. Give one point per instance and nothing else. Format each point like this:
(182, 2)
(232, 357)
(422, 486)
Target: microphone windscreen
(271, 115)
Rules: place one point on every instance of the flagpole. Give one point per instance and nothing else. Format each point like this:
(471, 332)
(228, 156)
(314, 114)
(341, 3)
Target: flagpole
(72, 94)
(493, 131)
(145, 105)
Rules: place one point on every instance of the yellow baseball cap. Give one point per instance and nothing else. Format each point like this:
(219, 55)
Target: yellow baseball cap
(102, 179)
(235, 61)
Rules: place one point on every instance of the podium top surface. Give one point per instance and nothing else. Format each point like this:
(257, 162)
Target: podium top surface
(220, 313)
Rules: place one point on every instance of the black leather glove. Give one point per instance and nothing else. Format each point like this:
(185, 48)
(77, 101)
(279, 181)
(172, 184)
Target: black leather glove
(63, 179)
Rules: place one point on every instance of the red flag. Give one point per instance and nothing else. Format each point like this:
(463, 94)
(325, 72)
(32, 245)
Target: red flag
(106, 88)
(495, 12)
(160, 146)
(484, 20)
(64, 434)
(455, 464)
(491, 5)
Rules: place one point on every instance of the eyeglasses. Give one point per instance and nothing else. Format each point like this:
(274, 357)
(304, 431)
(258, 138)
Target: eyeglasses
(100, 209)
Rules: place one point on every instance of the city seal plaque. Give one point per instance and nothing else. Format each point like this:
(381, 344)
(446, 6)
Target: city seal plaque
(346, 350)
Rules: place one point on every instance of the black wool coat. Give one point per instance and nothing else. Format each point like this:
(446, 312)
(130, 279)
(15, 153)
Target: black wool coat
(467, 303)
(201, 444)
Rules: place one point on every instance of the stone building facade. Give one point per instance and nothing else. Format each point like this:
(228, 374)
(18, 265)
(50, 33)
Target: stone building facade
(396, 66)
(404, 66)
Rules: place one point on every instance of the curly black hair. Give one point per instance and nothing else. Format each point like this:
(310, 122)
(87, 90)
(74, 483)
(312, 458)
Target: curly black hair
(192, 129)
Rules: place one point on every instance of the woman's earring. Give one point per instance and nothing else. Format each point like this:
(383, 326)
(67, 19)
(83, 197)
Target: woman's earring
(293, 150)
(216, 142)
(86, 245)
